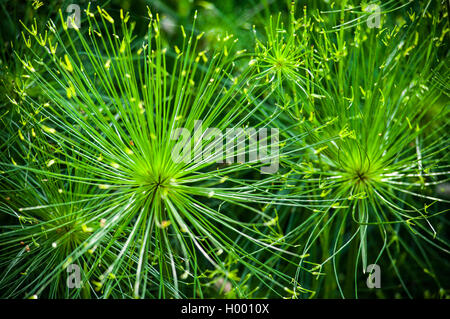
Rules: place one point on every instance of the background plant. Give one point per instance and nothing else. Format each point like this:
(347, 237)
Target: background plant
(363, 115)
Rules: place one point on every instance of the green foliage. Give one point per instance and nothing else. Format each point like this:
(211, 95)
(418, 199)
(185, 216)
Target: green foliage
(91, 122)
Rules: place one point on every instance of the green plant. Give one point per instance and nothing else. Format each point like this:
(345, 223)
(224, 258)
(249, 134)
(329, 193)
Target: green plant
(89, 177)
(381, 157)
(115, 129)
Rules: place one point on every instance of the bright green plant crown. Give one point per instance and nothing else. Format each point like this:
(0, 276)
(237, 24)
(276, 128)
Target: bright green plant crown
(148, 225)
(374, 89)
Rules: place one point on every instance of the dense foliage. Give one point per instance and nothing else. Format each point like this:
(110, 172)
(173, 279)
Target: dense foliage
(354, 97)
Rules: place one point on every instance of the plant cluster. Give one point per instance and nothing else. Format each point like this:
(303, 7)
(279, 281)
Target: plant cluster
(91, 114)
